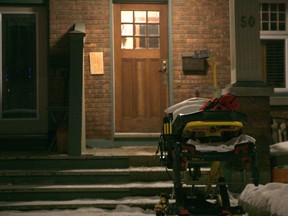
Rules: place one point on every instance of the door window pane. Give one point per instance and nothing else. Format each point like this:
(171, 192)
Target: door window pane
(140, 16)
(126, 16)
(140, 43)
(126, 30)
(153, 30)
(153, 43)
(19, 93)
(153, 17)
(140, 29)
(127, 43)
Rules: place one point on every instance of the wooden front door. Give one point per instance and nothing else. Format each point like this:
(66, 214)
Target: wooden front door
(140, 54)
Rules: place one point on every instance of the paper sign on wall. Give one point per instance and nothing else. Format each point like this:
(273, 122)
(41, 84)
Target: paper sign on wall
(96, 63)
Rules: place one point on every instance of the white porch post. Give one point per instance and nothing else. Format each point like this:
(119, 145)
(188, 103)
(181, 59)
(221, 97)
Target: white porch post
(247, 79)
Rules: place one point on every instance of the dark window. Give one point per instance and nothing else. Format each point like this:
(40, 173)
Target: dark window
(19, 76)
(274, 62)
(273, 16)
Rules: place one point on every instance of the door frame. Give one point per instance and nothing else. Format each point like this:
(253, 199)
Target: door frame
(169, 58)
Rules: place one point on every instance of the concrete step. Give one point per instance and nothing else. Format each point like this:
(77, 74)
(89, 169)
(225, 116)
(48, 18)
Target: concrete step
(84, 176)
(62, 162)
(103, 174)
(92, 191)
(50, 161)
(142, 202)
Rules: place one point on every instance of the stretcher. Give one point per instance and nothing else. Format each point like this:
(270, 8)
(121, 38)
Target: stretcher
(194, 145)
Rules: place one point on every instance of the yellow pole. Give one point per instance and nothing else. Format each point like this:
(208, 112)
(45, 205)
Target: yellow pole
(214, 68)
(215, 78)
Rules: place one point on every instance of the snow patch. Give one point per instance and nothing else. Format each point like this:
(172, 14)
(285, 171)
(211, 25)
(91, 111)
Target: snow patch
(272, 197)
(279, 149)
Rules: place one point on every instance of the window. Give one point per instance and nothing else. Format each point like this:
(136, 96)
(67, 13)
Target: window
(140, 30)
(273, 17)
(274, 62)
(18, 65)
(274, 40)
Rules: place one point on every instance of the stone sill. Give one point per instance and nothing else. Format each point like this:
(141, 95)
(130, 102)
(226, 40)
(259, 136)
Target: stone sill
(279, 98)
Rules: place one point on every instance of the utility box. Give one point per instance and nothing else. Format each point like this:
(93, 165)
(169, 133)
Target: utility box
(190, 64)
(195, 61)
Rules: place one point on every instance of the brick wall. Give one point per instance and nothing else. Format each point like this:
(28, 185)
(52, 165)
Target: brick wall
(96, 16)
(258, 126)
(200, 25)
(279, 111)
(195, 25)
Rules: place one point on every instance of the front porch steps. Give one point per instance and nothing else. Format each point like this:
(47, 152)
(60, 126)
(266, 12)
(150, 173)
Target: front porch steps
(59, 181)
(81, 176)
(142, 202)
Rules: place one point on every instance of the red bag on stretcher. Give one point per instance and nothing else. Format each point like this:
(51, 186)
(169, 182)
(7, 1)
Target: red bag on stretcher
(225, 102)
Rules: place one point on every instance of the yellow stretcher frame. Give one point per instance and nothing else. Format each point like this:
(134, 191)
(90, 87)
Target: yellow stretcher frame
(211, 128)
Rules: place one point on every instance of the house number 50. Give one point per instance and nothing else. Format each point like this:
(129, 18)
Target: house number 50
(247, 21)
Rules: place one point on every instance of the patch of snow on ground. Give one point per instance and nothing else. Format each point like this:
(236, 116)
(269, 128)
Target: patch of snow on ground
(272, 197)
(279, 149)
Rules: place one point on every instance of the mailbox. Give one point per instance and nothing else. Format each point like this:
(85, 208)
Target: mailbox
(195, 62)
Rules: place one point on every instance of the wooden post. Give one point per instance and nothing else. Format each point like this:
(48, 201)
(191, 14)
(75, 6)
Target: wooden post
(76, 127)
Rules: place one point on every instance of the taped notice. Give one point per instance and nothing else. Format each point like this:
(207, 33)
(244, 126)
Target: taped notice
(96, 63)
